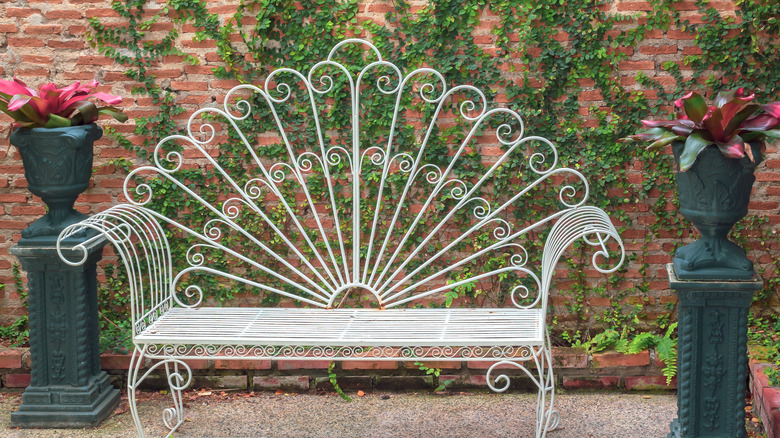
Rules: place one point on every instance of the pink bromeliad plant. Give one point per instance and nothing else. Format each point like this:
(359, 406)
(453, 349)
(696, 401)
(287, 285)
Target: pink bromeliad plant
(730, 124)
(52, 107)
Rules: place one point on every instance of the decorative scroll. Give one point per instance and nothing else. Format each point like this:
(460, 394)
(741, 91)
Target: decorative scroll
(407, 213)
(408, 352)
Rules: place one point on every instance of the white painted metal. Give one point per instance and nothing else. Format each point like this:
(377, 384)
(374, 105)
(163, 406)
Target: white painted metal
(322, 260)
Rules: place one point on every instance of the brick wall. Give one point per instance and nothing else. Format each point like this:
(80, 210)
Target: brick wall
(573, 369)
(44, 40)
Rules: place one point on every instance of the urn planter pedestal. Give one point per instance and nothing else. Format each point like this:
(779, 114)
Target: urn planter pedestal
(67, 387)
(712, 361)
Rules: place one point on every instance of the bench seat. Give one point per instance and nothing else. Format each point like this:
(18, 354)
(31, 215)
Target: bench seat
(347, 327)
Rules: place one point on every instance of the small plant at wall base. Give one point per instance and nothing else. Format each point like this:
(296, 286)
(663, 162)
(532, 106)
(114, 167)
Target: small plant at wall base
(17, 334)
(333, 377)
(436, 372)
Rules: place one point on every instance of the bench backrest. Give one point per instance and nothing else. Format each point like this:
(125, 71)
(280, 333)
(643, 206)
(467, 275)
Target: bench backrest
(354, 179)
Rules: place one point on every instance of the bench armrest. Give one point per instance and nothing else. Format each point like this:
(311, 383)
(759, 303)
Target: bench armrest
(588, 223)
(139, 240)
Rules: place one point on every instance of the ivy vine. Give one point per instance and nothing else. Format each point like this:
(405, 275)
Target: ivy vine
(540, 74)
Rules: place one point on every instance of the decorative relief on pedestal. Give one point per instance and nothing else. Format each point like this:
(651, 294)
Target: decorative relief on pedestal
(58, 365)
(57, 326)
(716, 328)
(712, 373)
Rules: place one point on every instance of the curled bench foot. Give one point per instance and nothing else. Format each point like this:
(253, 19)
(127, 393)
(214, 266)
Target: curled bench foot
(175, 371)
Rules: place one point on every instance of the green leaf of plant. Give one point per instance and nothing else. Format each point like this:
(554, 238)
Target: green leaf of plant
(114, 112)
(693, 147)
(772, 133)
(87, 111)
(56, 121)
(695, 107)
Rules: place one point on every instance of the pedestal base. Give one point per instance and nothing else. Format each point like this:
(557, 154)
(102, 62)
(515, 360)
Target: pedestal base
(711, 356)
(66, 406)
(675, 429)
(67, 387)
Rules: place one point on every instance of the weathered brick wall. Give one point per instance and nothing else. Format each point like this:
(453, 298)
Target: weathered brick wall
(45, 40)
(574, 369)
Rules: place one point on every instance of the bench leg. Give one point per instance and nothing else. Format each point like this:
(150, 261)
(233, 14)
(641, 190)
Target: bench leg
(136, 362)
(173, 417)
(547, 418)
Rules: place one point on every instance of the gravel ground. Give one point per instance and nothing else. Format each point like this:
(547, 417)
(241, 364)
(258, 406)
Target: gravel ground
(465, 415)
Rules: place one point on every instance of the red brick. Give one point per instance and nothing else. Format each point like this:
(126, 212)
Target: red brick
(13, 225)
(284, 365)
(587, 96)
(11, 359)
(692, 50)
(567, 357)
(679, 35)
(43, 29)
(25, 42)
(28, 210)
(605, 382)
(381, 8)
(37, 59)
(242, 364)
(94, 60)
(770, 397)
(114, 361)
(612, 359)
(21, 12)
(369, 365)
(77, 30)
(440, 364)
(636, 65)
(167, 73)
(13, 197)
(94, 198)
(266, 383)
(485, 364)
(189, 86)
(645, 383)
(101, 13)
(658, 50)
(37, 71)
(17, 380)
(66, 44)
(8, 28)
(71, 14)
(634, 6)
(198, 69)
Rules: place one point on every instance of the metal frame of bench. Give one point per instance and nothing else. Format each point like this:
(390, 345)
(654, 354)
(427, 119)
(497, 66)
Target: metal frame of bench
(173, 322)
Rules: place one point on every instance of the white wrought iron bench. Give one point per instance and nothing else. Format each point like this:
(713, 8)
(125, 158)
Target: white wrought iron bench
(322, 196)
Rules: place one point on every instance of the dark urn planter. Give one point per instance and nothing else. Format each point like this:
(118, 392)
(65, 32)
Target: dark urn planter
(58, 166)
(714, 195)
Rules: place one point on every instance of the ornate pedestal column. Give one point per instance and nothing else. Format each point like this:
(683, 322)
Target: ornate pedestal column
(712, 356)
(68, 388)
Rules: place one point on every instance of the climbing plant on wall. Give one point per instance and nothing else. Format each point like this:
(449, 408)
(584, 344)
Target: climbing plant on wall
(543, 53)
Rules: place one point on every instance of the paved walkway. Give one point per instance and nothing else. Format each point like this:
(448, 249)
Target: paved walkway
(467, 415)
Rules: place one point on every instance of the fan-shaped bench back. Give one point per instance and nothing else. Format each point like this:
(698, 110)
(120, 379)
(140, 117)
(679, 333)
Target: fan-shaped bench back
(312, 186)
